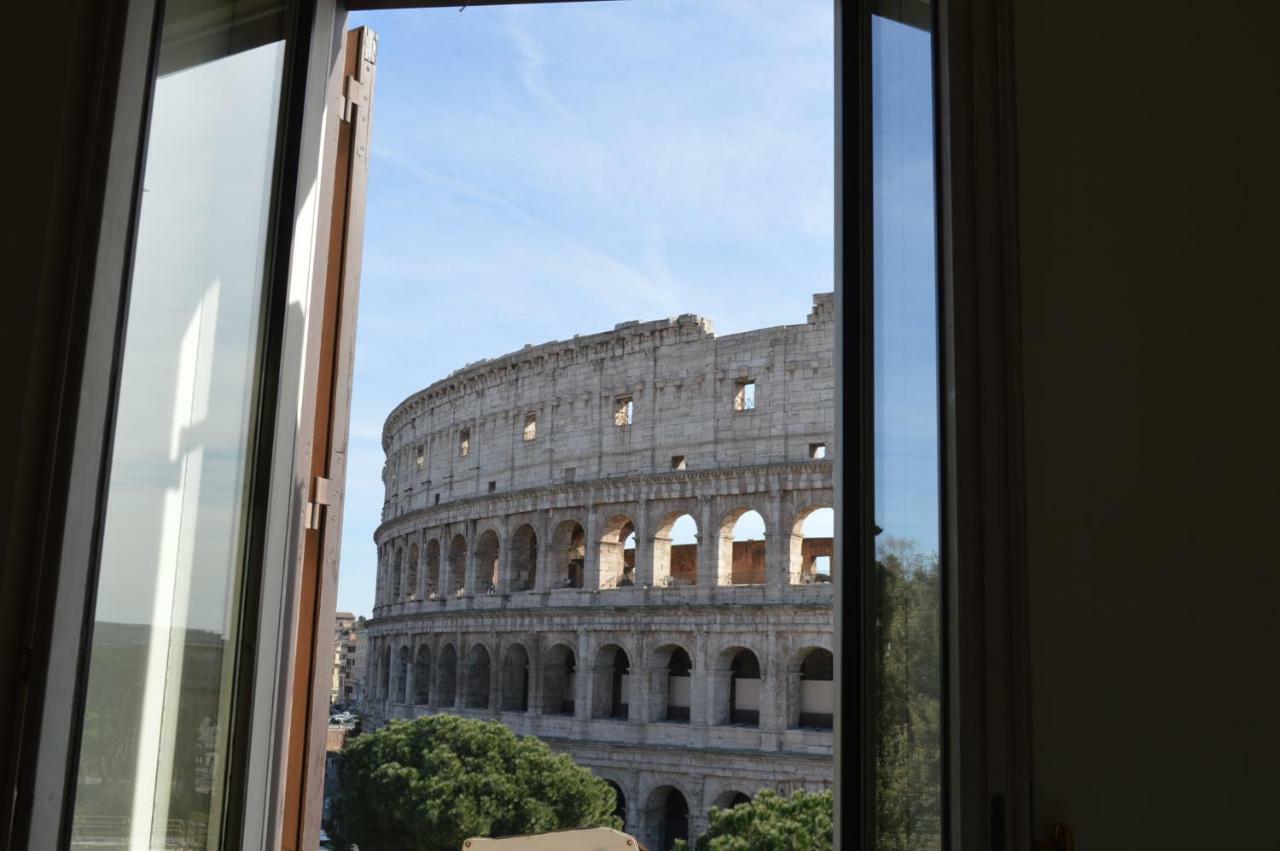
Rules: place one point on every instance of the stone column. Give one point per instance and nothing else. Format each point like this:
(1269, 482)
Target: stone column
(420, 591)
(504, 558)
(777, 550)
(586, 672)
(638, 698)
(542, 582)
(535, 675)
(471, 582)
(700, 688)
(410, 673)
(495, 677)
(644, 547)
(591, 554)
(708, 544)
(407, 543)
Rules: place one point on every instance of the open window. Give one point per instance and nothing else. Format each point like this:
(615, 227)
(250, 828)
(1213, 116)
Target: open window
(294, 501)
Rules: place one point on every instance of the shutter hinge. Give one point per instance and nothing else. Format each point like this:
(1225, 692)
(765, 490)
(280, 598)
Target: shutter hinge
(320, 495)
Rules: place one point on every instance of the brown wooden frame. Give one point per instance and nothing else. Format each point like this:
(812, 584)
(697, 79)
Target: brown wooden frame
(323, 443)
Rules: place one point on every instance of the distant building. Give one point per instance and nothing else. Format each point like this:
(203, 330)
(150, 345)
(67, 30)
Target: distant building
(529, 572)
(343, 646)
(349, 645)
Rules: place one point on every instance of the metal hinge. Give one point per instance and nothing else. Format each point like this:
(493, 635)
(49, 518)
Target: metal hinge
(320, 495)
(354, 93)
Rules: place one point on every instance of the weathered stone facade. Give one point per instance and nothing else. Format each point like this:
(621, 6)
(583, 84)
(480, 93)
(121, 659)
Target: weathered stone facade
(507, 587)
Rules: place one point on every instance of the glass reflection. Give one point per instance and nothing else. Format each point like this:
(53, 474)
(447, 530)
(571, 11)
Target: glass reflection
(153, 746)
(908, 626)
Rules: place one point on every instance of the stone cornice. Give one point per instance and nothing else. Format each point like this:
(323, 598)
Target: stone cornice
(435, 515)
(695, 613)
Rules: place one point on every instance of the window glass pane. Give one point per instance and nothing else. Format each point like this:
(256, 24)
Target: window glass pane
(909, 743)
(154, 737)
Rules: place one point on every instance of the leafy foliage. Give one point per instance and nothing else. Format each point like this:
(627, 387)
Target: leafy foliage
(909, 690)
(430, 783)
(770, 822)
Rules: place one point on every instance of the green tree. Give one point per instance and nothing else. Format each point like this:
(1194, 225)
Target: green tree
(909, 693)
(770, 822)
(430, 783)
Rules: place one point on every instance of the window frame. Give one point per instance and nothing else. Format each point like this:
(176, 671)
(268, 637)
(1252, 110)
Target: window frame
(986, 747)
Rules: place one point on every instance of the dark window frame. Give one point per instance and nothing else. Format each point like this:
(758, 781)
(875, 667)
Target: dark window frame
(985, 698)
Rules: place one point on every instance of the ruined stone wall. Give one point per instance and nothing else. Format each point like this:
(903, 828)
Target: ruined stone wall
(505, 590)
(681, 380)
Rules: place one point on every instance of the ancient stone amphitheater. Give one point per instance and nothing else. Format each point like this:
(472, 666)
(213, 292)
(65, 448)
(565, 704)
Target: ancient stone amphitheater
(531, 568)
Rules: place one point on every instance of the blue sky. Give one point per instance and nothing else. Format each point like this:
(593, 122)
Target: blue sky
(544, 171)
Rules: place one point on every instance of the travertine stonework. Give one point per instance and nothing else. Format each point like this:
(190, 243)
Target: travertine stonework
(507, 587)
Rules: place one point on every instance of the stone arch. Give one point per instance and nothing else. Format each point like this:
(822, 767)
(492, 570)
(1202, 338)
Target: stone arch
(559, 680)
(670, 684)
(675, 563)
(611, 683)
(730, 798)
(736, 687)
(422, 676)
(397, 573)
(411, 579)
(666, 813)
(524, 558)
(568, 555)
(431, 558)
(447, 676)
(619, 803)
(740, 551)
(810, 677)
(513, 688)
(404, 660)
(487, 553)
(457, 565)
(475, 690)
(617, 561)
(807, 552)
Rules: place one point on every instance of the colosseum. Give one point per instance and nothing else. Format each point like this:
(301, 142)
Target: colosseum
(532, 568)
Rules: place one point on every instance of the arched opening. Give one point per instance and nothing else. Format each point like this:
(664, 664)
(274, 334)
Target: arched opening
(422, 676)
(811, 546)
(568, 555)
(411, 580)
(559, 681)
(612, 683)
(487, 551)
(384, 675)
(619, 803)
(729, 799)
(742, 547)
(514, 688)
(524, 559)
(669, 814)
(744, 688)
(679, 686)
(431, 584)
(397, 575)
(403, 661)
(815, 692)
(457, 565)
(675, 551)
(476, 690)
(447, 677)
(618, 553)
